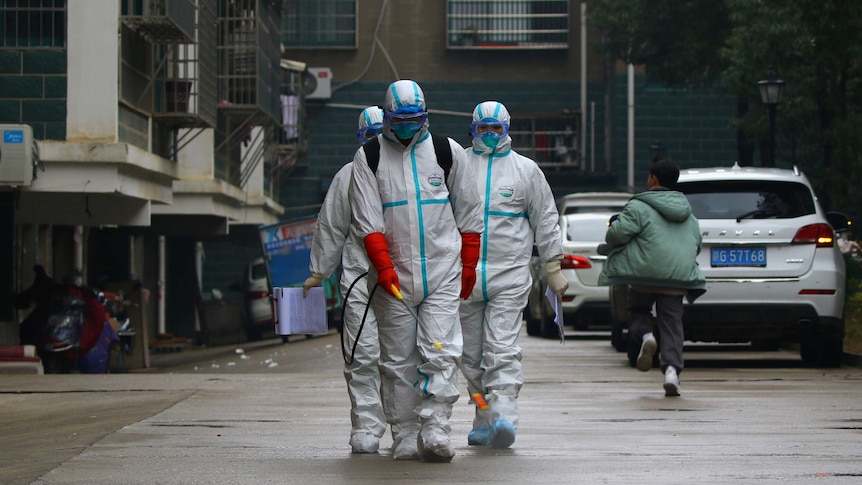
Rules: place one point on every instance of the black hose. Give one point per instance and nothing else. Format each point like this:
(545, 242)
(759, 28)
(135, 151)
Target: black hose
(348, 359)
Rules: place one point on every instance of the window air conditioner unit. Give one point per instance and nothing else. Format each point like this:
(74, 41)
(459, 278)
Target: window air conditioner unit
(317, 83)
(16, 155)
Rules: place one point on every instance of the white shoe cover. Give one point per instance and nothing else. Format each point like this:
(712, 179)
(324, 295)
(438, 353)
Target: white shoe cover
(405, 446)
(434, 445)
(364, 443)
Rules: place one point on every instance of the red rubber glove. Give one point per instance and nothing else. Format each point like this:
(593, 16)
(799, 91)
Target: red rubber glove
(378, 254)
(470, 242)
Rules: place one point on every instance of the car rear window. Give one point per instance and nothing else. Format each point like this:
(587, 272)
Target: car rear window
(733, 199)
(575, 209)
(587, 230)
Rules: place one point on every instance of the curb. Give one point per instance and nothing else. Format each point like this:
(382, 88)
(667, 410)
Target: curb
(853, 360)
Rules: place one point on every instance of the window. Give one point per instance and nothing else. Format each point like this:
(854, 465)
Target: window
(319, 23)
(550, 139)
(748, 199)
(33, 23)
(507, 24)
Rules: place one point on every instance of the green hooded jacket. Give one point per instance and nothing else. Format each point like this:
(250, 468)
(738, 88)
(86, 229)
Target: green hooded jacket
(655, 242)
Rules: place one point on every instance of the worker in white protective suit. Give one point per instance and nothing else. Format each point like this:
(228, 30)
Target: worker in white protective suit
(421, 229)
(336, 240)
(519, 209)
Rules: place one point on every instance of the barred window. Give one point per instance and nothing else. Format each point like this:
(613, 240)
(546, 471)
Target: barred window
(33, 24)
(507, 24)
(319, 23)
(550, 139)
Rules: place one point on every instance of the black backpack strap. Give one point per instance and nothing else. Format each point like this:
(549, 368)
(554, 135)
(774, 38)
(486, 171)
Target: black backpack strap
(372, 154)
(443, 150)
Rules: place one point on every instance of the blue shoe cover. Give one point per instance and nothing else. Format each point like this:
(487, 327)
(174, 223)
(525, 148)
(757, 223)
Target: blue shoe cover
(502, 434)
(479, 437)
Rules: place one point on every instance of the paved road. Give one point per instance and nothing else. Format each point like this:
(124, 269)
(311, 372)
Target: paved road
(744, 417)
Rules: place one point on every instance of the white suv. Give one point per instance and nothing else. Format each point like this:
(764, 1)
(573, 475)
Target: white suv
(773, 271)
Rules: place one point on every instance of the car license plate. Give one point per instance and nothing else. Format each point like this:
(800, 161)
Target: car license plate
(738, 256)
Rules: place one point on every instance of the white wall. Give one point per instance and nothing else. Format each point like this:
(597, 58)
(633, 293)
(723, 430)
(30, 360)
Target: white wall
(93, 61)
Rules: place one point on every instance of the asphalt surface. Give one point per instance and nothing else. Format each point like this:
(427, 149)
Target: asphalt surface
(273, 413)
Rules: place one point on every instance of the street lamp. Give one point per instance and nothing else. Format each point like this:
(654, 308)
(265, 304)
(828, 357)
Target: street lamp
(771, 90)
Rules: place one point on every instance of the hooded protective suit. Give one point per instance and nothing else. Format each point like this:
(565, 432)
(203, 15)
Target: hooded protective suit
(336, 239)
(421, 216)
(518, 208)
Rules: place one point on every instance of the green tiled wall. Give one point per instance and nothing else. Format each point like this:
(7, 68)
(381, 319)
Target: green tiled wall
(693, 126)
(33, 91)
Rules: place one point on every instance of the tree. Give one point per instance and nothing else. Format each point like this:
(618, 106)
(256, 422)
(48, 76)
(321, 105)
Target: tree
(815, 45)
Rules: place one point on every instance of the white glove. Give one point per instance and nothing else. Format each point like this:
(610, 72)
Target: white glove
(314, 280)
(556, 281)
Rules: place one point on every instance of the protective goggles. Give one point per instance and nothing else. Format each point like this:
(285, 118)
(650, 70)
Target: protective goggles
(489, 127)
(394, 119)
(369, 132)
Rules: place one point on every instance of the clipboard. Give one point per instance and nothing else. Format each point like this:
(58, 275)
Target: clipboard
(295, 314)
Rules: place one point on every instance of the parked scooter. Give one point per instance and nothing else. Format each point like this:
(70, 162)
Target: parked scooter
(77, 336)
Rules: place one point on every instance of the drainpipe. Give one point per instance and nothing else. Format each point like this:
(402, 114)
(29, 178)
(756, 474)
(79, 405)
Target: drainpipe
(161, 286)
(631, 128)
(199, 271)
(78, 239)
(583, 131)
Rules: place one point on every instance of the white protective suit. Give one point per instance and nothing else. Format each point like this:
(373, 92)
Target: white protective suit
(336, 239)
(420, 214)
(518, 208)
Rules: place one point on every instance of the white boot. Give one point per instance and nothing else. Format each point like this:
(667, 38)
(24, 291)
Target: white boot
(362, 442)
(405, 444)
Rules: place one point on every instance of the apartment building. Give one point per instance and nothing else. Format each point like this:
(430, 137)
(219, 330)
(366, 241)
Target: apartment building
(152, 127)
(541, 58)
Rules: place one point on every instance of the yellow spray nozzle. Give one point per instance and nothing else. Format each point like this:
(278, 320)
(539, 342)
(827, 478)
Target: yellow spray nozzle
(396, 292)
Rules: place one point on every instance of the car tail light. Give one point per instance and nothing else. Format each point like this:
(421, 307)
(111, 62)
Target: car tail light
(816, 292)
(820, 234)
(574, 261)
(256, 295)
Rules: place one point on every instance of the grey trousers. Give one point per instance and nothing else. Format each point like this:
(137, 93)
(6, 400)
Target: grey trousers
(668, 319)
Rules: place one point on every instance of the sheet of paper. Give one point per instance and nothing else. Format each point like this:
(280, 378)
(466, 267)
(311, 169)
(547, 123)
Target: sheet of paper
(298, 315)
(557, 306)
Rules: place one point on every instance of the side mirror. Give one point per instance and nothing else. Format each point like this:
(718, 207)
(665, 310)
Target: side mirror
(839, 221)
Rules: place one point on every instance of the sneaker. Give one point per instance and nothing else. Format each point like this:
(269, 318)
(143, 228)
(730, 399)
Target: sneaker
(502, 434)
(671, 382)
(647, 352)
(364, 443)
(479, 437)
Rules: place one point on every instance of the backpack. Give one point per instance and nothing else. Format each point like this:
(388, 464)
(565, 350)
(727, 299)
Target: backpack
(442, 150)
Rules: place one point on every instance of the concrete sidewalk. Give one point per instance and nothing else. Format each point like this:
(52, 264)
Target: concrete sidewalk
(586, 417)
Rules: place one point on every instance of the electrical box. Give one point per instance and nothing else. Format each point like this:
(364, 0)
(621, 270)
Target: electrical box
(317, 84)
(16, 155)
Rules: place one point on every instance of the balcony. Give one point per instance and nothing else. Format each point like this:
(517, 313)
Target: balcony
(161, 21)
(507, 24)
(186, 90)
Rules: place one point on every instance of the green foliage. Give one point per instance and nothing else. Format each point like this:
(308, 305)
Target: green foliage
(814, 45)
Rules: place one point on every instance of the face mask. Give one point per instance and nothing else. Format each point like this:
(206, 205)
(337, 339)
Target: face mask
(490, 139)
(405, 131)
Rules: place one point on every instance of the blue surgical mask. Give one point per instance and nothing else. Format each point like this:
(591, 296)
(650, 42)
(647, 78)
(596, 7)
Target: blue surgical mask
(491, 139)
(405, 131)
